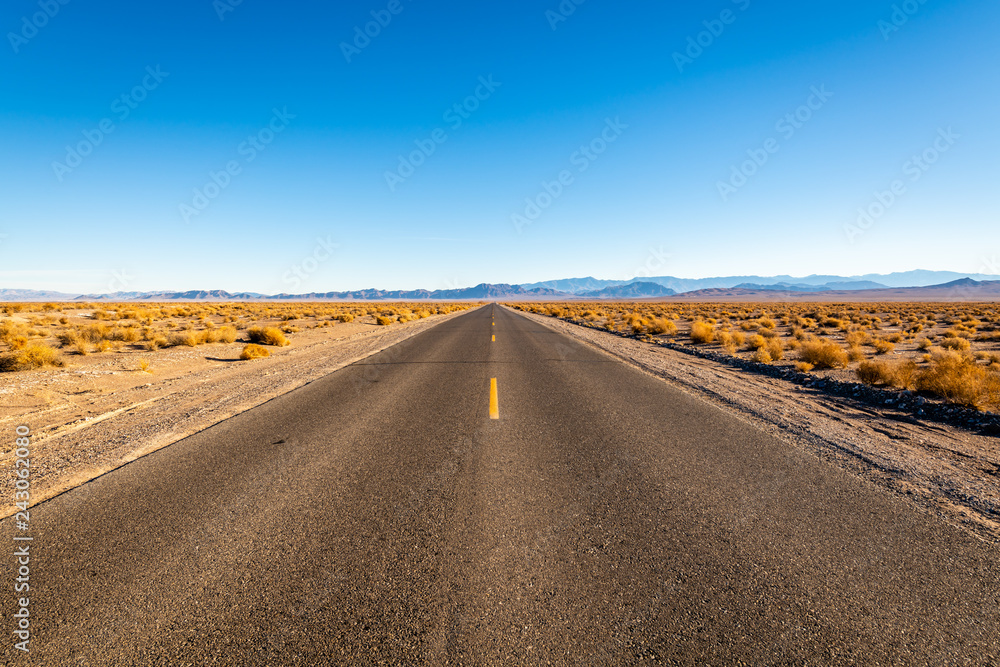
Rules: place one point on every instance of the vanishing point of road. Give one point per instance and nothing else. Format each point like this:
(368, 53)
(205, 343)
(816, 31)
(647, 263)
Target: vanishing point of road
(491, 492)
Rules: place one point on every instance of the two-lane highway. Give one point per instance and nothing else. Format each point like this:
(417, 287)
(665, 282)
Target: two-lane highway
(493, 492)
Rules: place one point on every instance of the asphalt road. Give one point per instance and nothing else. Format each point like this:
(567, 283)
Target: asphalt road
(380, 516)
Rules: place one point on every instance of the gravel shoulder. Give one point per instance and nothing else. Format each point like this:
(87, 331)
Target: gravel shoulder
(949, 471)
(90, 419)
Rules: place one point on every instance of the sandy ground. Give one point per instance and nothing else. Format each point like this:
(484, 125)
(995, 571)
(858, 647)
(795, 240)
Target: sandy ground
(948, 471)
(101, 412)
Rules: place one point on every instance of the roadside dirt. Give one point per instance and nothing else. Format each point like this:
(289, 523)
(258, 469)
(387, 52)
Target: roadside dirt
(102, 412)
(948, 471)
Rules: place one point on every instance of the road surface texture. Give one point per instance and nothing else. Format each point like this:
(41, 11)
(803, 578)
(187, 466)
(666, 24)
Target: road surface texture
(381, 516)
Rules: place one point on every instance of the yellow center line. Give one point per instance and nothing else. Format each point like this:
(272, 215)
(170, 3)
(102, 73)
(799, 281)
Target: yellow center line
(494, 339)
(494, 403)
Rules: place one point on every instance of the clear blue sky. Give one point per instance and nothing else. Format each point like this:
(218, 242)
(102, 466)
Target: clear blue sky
(555, 85)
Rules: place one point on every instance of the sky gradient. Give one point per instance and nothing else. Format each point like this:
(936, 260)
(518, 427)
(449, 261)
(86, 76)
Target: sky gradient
(269, 148)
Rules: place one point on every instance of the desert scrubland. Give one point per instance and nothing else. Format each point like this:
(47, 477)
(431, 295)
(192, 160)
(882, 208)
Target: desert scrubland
(102, 384)
(949, 352)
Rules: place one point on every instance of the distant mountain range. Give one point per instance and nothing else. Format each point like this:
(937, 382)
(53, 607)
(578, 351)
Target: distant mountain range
(579, 288)
(808, 283)
(479, 292)
(963, 289)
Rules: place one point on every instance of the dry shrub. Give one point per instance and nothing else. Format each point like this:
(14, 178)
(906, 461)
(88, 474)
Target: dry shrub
(960, 380)
(345, 317)
(756, 342)
(31, 356)
(386, 321)
(882, 346)
(69, 338)
(187, 339)
(662, 325)
(803, 366)
(901, 374)
(956, 344)
(226, 334)
(702, 333)
(762, 356)
(855, 353)
(267, 336)
(94, 333)
(125, 335)
(156, 343)
(775, 349)
(725, 339)
(822, 353)
(253, 351)
(855, 338)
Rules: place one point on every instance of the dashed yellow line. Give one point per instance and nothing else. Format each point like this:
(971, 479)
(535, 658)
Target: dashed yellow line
(494, 339)
(494, 403)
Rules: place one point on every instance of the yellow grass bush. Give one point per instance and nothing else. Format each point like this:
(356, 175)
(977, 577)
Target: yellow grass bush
(31, 356)
(959, 379)
(254, 351)
(725, 339)
(775, 349)
(226, 334)
(663, 326)
(882, 346)
(267, 336)
(956, 344)
(125, 335)
(702, 333)
(901, 374)
(822, 353)
(186, 339)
